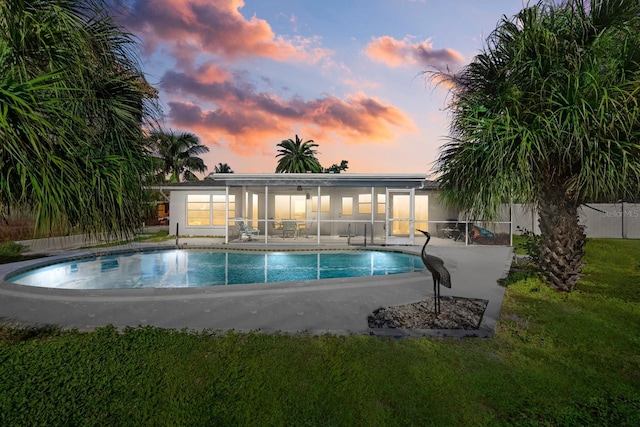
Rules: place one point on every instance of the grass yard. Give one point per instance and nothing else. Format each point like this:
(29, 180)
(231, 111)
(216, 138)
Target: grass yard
(556, 359)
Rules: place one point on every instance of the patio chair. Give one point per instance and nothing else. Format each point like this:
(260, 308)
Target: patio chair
(289, 228)
(274, 227)
(305, 227)
(453, 230)
(246, 230)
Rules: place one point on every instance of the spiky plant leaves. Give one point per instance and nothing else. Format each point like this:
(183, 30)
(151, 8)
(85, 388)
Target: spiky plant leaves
(297, 156)
(73, 103)
(176, 154)
(548, 114)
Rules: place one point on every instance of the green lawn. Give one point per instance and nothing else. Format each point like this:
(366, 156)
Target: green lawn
(557, 359)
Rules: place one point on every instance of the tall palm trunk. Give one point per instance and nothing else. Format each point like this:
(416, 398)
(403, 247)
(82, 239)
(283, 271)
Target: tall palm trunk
(562, 241)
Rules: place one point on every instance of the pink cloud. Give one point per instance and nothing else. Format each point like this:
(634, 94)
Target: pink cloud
(248, 120)
(440, 81)
(211, 73)
(399, 53)
(215, 27)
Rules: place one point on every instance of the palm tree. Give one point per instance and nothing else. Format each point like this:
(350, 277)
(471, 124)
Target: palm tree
(547, 113)
(74, 102)
(297, 156)
(222, 168)
(177, 155)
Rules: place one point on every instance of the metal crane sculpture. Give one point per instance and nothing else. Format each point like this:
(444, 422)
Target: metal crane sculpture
(439, 273)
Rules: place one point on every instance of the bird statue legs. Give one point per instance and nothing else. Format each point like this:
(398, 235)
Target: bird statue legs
(436, 294)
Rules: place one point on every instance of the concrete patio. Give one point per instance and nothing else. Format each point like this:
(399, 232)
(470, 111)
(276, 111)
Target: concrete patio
(335, 306)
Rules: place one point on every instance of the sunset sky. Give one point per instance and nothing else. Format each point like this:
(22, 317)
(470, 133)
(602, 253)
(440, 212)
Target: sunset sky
(245, 75)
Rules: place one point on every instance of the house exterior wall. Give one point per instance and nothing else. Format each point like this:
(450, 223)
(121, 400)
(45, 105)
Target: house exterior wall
(178, 215)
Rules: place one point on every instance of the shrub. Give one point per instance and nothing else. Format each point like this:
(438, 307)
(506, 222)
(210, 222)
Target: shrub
(530, 244)
(10, 249)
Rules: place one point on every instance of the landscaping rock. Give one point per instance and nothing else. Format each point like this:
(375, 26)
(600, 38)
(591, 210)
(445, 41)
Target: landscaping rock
(455, 313)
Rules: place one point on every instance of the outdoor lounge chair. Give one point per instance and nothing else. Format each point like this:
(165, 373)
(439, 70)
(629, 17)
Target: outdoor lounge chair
(246, 231)
(477, 233)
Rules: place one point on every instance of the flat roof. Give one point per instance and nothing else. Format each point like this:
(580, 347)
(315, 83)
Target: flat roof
(306, 179)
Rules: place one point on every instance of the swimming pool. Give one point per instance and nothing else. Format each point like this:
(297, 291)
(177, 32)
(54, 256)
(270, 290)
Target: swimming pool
(198, 268)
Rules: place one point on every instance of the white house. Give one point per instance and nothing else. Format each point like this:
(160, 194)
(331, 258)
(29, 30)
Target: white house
(385, 208)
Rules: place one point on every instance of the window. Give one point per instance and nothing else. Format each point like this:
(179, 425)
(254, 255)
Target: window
(232, 209)
(218, 207)
(347, 206)
(400, 212)
(254, 210)
(364, 203)
(291, 206)
(421, 212)
(198, 209)
(325, 205)
(205, 209)
(282, 206)
(382, 203)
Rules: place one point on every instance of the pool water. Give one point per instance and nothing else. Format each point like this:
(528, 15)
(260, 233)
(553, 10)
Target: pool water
(197, 268)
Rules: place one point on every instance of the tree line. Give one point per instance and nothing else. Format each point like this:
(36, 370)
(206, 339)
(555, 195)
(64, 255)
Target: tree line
(176, 157)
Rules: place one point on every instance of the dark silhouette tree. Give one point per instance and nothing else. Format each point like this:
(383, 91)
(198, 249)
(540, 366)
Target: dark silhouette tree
(337, 168)
(222, 168)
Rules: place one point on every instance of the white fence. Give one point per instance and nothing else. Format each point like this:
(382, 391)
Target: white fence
(613, 220)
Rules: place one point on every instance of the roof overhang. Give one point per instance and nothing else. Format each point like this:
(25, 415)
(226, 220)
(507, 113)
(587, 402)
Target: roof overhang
(417, 181)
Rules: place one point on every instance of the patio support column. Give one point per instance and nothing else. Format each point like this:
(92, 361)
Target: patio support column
(244, 200)
(318, 215)
(466, 229)
(373, 211)
(412, 215)
(510, 224)
(387, 206)
(226, 214)
(266, 214)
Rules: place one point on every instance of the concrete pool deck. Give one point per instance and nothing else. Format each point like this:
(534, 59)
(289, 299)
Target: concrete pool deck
(333, 306)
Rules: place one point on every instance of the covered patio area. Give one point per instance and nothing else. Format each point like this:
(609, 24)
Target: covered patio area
(312, 209)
